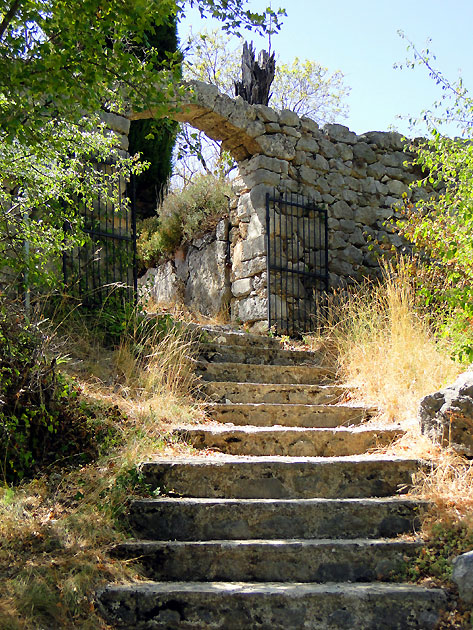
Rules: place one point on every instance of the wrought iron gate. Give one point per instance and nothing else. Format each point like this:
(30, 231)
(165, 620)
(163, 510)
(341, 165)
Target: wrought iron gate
(297, 263)
(106, 264)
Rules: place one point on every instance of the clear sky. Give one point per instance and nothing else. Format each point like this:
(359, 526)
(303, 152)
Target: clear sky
(360, 39)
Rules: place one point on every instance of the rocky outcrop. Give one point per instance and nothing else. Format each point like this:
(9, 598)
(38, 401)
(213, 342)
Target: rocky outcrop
(447, 415)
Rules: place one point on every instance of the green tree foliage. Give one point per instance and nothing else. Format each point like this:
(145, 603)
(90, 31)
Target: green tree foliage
(440, 225)
(154, 140)
(61, 62)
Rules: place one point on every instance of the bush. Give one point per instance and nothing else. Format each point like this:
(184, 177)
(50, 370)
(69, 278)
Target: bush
(43, 418)
(183, 216)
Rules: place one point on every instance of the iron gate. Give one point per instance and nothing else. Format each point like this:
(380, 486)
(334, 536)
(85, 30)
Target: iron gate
(106, 265)
(297, 263)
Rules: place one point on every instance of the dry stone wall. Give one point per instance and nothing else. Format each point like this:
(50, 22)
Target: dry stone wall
(360, 179)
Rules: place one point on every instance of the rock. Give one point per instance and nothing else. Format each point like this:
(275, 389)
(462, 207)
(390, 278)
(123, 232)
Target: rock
(446, 416)
(340, 133)
(208, 285)
(463, 576)
(288, 117)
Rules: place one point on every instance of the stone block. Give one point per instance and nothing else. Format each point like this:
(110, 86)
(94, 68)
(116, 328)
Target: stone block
(264, 162)
(266, 114)
(288, 117)
(340, 133)
(257, 224)
(463, 576)
(337, 240)
(307, 124)
(341, 210)
(255, 128)
(327, 148)
(278, 146)
(307, 143)
(396, 187)
(290, 131)
(344, 151)
(366, 215)
(117, 123)
(363, 152)
(446, 416)
(272, 127)
(253, 248)
(262, 176)
(252, 308)
(335, 181)
(248, 268)
(308, 175)
(242, 287)
(257, 196)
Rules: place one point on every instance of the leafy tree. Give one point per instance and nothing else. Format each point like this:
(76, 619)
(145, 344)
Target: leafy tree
(61, 62)
(154, 139)
(440, 224)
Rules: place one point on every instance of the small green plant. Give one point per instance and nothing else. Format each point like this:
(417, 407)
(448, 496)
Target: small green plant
(43, 417)
(183, 216)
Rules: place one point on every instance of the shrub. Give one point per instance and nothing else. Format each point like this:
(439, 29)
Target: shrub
(183, 216)
(43, 418)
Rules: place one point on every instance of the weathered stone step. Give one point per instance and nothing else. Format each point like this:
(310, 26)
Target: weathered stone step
(216, 353)
(248, 373)
(295, 442)
(270, 414)
(228, 392)
(226, 335)
(169, 518)
(281, 477)
(281, 560)
(270, 606)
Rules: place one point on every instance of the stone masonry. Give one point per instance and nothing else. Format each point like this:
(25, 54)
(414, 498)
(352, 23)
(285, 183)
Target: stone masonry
(360, 179)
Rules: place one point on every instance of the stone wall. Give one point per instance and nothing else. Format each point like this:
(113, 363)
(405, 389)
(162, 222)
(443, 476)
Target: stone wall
(360, 179)
(198, 276)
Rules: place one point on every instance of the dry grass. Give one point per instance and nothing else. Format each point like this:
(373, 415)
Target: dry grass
(56, 532)
(383, 346)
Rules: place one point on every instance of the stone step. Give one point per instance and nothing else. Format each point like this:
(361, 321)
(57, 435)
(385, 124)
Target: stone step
(170, 518)
(228, 336)
(216, 353)
(295, 442)
(270, 606)
(270, 414)
(228, 392)
(281, 477)
(248, 373)
(356, 560)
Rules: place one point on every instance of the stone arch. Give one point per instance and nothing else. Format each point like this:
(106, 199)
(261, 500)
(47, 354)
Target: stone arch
(229, 121)
(360, 179)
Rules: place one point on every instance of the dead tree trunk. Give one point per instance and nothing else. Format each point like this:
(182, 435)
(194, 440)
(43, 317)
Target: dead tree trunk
(257, 76)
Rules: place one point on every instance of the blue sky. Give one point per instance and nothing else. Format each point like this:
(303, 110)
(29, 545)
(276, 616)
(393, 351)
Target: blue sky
(360, 39)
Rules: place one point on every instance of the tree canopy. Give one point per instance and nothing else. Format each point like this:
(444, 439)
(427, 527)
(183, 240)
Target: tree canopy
(61, 62)
(440, 225)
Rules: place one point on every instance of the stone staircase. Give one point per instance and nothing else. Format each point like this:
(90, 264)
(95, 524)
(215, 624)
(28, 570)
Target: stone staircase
(291, 525)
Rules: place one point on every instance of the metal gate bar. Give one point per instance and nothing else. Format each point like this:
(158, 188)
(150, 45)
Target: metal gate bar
(297, 263)
(107, 264)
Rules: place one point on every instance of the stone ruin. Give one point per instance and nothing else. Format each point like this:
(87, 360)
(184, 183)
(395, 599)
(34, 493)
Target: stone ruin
(360, 179)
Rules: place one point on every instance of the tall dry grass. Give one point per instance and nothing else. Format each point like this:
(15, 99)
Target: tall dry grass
(383, 344)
